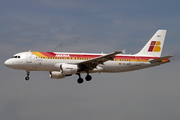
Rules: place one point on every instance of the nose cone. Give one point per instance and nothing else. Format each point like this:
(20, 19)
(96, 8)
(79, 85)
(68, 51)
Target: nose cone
(8, 63)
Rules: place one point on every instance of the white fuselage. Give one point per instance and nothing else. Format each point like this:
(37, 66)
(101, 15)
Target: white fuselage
(31, 62)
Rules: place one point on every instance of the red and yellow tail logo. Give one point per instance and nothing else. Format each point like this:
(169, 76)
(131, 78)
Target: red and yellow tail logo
(155, 46)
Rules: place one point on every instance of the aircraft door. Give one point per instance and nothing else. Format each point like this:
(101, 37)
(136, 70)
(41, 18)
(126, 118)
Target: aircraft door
(28, 57)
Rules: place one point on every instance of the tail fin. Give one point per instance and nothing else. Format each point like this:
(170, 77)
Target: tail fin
(155, 45)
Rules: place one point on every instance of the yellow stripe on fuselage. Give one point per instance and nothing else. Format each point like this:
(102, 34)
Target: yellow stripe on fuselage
(38, 54)
(133, 60)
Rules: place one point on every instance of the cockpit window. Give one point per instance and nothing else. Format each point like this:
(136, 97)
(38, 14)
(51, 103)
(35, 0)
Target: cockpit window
(16, 57)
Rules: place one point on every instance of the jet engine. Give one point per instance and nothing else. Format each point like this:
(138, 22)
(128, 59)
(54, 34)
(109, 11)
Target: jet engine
(68, 69)
(56, 75)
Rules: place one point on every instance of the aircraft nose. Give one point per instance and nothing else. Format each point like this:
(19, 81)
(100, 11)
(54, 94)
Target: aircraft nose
(8, 63)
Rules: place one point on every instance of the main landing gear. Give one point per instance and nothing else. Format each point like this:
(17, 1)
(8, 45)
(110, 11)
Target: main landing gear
(88, 77)
(80, 80)
(27, 77)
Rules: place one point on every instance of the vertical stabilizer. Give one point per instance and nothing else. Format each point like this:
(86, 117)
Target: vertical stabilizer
(155, 45)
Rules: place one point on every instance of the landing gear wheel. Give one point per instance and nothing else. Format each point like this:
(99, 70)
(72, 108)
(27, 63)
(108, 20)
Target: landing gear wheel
(88, 78)
(28, 73)
(80, 80)
(27, 78)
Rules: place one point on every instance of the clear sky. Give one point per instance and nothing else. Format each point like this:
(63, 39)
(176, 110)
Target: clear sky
(89, 26)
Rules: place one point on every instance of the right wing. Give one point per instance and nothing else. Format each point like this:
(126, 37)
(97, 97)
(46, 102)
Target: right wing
(92, 63)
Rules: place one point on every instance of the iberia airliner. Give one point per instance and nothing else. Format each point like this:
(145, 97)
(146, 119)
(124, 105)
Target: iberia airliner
(61, 64)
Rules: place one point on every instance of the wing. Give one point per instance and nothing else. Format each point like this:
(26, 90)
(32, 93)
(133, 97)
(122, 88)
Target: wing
(92, 63)
(160, 59)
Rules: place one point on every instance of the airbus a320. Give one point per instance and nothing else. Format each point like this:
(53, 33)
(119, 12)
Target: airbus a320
(63, 64)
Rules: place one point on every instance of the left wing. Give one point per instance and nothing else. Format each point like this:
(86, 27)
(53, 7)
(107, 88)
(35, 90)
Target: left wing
(92, 63)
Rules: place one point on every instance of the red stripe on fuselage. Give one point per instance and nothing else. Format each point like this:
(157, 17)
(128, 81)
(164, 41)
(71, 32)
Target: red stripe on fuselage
(52, 54)
(48, 54)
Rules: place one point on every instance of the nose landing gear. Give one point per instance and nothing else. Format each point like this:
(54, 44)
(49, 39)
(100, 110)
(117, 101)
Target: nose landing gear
(27, 77)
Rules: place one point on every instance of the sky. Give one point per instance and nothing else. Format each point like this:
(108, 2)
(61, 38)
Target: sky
(89, 26)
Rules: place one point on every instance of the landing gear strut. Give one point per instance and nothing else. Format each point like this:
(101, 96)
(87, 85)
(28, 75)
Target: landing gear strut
(80, 80)
(27, 77)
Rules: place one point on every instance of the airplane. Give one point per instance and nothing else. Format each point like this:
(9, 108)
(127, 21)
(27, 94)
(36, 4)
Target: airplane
(63, 64)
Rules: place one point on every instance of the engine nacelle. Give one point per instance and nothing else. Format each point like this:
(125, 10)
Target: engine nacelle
(56, 75)
(68, 69)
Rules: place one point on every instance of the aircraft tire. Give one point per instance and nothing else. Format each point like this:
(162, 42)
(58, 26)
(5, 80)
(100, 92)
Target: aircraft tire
(88, 78)
(26, 78)
(80, 80)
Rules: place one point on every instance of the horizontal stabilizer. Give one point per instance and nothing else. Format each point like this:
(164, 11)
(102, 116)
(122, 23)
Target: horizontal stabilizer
(160, 59)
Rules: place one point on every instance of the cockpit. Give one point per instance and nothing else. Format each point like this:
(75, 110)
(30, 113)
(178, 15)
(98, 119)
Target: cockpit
(16, 61)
